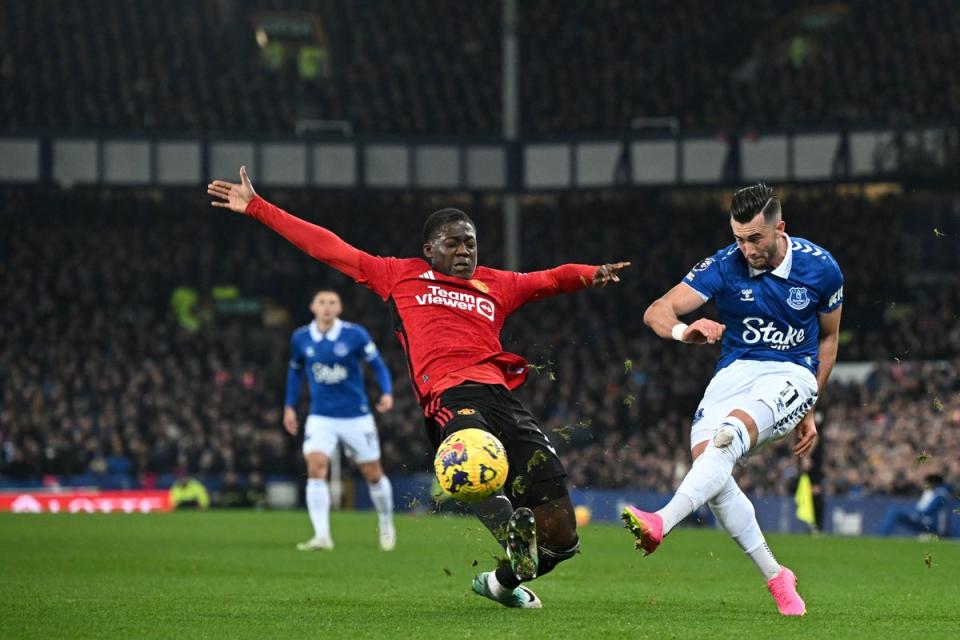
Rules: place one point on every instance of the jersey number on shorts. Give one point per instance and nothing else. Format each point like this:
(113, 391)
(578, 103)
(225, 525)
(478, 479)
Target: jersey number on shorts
(791, 391)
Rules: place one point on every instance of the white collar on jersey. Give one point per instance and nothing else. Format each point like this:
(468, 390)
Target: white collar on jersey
(783, 270)
(333, 334)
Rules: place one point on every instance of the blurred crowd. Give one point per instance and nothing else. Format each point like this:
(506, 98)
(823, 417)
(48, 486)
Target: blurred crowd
(434, 67)
(105, 372)
(597, 66)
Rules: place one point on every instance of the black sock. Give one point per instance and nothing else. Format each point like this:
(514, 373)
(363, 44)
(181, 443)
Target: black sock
(551, 557)
(507, 578)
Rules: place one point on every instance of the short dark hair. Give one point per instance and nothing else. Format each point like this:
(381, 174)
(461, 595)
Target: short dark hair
(439, 218)
(933, 479)
(320, 290)
(750, 201)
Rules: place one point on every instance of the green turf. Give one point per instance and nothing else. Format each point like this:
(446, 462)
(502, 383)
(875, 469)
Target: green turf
(237, 575)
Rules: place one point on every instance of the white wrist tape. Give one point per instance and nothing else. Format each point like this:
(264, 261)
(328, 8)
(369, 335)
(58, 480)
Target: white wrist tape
(677, 331)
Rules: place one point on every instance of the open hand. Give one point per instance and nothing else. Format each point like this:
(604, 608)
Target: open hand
(704, 331)
(806, 435)
(236, 196)
(607, 273)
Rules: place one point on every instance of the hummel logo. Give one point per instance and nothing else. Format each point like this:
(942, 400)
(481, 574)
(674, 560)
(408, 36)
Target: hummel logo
(746, 295)
(806, 248)
(428, 275)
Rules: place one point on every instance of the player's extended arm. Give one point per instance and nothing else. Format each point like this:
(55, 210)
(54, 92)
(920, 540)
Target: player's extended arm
(566, 278)
(663, 316)
(320, 243)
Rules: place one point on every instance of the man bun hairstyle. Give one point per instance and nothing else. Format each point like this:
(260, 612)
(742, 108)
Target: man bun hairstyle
(750, 201)
(439, 218)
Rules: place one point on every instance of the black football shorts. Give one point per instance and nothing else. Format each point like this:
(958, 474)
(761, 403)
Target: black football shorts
(536, 472)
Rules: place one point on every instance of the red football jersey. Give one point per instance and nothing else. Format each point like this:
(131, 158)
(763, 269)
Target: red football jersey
(449, 327)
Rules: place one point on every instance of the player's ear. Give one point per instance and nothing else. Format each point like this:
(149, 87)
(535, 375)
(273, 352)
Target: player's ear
(428, 251)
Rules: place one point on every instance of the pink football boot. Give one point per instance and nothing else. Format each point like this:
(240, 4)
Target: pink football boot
(783, 588)
(646, 527)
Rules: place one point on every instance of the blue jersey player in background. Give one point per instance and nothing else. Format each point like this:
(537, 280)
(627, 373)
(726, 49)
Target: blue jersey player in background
(779, 301)
(330, 353)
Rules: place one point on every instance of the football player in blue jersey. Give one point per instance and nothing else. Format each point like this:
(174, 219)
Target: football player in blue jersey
(779, 301)
(330, 352)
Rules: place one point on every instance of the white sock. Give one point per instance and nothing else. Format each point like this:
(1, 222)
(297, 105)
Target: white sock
(715, 465)
(736, 515)
(709, 472)
(766, 563)
(381, 494)
(318, 505)
(679, 507)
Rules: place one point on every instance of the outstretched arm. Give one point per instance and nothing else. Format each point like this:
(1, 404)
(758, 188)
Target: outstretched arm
(663, 317)
(566, 278)
(320, 243)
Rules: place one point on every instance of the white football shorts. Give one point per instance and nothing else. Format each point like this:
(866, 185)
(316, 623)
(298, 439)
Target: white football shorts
(358, 435)
(788, 389)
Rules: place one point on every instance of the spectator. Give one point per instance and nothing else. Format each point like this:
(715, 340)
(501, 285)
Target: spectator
(434, 67)
(930, 515)
(98, 374)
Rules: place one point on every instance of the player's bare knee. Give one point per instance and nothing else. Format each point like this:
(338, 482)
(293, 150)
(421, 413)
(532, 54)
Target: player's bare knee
(317, 465)
(698, 449)
(556, 523)
(372, 471)
(558, 533)
(749, 422)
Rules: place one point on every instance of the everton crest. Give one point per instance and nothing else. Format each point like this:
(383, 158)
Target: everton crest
(798, 298)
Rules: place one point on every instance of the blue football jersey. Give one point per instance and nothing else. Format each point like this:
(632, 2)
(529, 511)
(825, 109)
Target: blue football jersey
(331, 362)
(770, 315)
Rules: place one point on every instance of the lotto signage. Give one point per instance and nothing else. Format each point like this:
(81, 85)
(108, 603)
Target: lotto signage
(85, 502)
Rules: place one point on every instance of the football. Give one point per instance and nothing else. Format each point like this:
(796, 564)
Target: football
(471, 465)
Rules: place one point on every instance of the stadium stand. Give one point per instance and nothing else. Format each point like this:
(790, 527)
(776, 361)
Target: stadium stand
(756, 63)
(102, 381)
(584, 67)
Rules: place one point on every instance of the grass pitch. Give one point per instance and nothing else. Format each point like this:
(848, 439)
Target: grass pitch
(237, 575)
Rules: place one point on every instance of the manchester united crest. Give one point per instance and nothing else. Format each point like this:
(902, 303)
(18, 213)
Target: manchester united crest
(481, 287)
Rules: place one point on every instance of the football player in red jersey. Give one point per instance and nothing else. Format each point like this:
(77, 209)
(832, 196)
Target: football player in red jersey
(448, 313)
